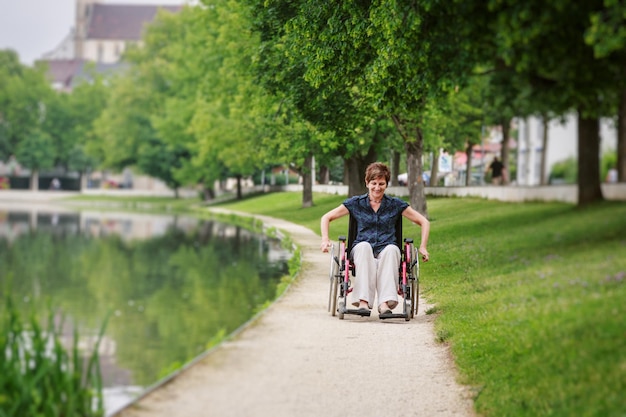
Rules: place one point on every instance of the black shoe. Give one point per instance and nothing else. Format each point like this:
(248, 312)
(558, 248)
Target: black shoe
(385, 314)
(364, 312)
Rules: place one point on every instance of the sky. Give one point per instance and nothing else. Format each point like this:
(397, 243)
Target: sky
(34, 27)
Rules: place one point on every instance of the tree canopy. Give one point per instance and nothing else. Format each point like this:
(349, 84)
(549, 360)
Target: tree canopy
(231, 87)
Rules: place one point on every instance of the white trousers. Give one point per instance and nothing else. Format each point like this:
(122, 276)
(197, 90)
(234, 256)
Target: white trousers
(378, 274)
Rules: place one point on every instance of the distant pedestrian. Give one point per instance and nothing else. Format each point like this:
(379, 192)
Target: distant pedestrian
(497, 171)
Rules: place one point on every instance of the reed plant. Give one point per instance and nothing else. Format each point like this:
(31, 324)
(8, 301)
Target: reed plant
(39, 376)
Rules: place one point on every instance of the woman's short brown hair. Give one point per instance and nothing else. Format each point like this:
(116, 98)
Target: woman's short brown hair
(377, 170)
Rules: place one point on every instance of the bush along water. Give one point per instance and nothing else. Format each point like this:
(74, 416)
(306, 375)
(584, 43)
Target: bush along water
(39, 376)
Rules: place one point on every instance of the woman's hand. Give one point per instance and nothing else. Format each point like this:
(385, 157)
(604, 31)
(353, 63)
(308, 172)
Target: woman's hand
(424, 254)
(325, 245)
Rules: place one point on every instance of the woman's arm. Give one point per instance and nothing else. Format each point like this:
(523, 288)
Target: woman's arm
(413, 215)
(326, 219)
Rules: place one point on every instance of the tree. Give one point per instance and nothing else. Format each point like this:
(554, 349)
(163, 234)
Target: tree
(85, 104)
(195, 98)
(24, 97)
(36, 151)
(340, 122)
(544, 44)
(607, 35)
(231, 110)
(385, 58)
(122, 128)
(455, 122)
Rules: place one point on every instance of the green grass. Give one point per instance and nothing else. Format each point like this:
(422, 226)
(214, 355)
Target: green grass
(530, 297)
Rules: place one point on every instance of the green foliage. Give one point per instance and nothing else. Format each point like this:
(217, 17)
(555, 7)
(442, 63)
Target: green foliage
(42, 376)
(607, 33)
(44, 128)
(125, 126)
(24, 97)
(218, 338)
(80, 143)
(458, 119)
(608, 161)
(36, 150)
(565, 171)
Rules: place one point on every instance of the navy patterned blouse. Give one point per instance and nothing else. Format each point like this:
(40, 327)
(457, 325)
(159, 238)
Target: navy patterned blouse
(376, 227)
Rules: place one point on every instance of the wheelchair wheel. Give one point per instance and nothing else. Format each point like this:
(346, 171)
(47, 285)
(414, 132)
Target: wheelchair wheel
(341, 309)
(332, 302)
(415, 287)
(334, 284)
(407, 310)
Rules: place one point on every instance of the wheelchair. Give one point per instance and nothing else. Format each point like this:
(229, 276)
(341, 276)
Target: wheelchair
(342, 269)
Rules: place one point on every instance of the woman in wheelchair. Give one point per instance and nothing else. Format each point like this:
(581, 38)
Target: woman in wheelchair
(375, 253)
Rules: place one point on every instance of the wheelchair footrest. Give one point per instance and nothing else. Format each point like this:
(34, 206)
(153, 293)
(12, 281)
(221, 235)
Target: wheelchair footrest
(384, 316)
(358, 312)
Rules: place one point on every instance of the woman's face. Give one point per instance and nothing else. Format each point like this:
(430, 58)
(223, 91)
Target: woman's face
(377, 187)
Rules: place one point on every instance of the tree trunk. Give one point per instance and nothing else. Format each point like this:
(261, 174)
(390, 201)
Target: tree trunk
(589, 190)
(356, 166)
(504, 150)
(545, 121)
(434, 170)
(415, 170)
(414, 145)
(468, 170)
(239, 193)
(34, 180)
(621, 139)
(324, 174)
(208, 193)
(307, 181)
(395, 168)
(355, 179)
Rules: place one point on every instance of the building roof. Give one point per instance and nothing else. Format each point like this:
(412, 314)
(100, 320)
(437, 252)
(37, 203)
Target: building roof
(61, 71)
(122, 21)
(65, 74)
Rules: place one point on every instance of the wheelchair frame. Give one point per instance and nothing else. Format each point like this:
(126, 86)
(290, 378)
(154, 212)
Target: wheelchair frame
(342, 267)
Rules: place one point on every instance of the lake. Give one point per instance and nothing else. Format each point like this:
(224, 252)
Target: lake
(172, 286)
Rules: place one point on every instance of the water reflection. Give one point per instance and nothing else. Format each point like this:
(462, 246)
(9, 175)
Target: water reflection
(173, 284)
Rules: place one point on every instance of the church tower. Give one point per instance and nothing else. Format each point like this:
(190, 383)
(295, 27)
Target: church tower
(84, 9)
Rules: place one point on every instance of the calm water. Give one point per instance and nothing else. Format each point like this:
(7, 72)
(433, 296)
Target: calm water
(171, 284)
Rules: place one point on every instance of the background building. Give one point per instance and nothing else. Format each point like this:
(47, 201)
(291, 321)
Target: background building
(101, 34)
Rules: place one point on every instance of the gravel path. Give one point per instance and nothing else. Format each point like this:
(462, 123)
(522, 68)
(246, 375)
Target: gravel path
(297, 360)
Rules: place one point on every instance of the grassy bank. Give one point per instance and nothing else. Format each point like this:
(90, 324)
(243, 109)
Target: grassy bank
(531, 298)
